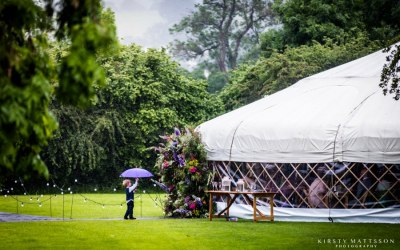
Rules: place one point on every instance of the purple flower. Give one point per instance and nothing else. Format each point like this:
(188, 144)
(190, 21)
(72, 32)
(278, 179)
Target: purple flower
(181, 160)
(187, 199)
(187, 180)
(198, 201)
(181, 211)
(177, 131)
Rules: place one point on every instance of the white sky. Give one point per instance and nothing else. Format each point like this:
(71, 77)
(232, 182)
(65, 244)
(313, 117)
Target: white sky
(146, 22)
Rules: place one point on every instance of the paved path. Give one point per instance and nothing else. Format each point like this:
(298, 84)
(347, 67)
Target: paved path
(10, 217)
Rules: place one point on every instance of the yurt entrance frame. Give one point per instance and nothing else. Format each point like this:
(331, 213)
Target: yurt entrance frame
(317, 185)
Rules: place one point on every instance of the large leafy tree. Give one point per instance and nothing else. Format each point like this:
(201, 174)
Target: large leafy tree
(222, 30)
(27, 72)
(145, 96)
(150, 87)
(305, 21)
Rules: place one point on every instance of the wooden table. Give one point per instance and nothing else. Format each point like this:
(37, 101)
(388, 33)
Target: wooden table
(236, 194)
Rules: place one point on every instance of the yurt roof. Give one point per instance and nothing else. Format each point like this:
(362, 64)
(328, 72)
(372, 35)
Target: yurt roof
(336, 115)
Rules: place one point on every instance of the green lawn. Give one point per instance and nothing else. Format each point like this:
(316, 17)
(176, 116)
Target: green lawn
(159, 233)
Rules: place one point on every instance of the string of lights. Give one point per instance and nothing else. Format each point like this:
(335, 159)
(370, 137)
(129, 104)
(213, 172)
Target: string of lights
(40, 200)
(157, 201)
(37, 202)
(86, 199)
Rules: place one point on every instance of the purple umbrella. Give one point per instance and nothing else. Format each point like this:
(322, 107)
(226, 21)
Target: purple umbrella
(136, 173)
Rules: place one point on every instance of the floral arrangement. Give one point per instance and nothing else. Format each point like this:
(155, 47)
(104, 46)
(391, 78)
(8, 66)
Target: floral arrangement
(182, 166)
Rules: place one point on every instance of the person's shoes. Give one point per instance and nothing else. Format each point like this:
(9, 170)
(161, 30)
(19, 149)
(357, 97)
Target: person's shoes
(125, 218)
(132, 218)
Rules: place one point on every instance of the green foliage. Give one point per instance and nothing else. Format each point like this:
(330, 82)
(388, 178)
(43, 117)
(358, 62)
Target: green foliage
(272, 41)
(207, 71)
(77, 149)
(390, 78)
(316, 20)
(216, 81)
(381, 18)
(27, 71)
(182, 164)
(145, 95)
(25, 122)
(269, 75)
(306, 21)
(148, 87)
(84, 38)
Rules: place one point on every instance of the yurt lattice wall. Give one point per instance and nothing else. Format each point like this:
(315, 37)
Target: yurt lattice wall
(319, 185)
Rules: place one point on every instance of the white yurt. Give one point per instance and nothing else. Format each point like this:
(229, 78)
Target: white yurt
(329, 146)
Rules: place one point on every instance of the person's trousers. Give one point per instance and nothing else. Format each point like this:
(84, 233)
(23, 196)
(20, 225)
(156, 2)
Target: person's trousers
(129, 210)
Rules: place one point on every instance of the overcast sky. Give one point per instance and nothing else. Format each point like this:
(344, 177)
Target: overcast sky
(146, 22)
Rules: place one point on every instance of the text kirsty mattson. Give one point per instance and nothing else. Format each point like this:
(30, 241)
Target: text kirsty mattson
(343, 242)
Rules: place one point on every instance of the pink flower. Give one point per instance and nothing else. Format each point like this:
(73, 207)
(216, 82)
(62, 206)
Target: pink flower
(192, 170)
(192, 206)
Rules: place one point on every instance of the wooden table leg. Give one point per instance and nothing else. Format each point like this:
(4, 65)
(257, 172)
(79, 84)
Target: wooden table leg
(210, 208)
(251, 202)
(228, 202)
(271, 204)
(254, 208)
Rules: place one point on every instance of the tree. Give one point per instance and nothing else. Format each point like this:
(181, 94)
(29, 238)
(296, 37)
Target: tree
(145, 95)
(222, 30)
(209, 72)
(28, 76)
(305, 21)
(390, 77)
(381, 18)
